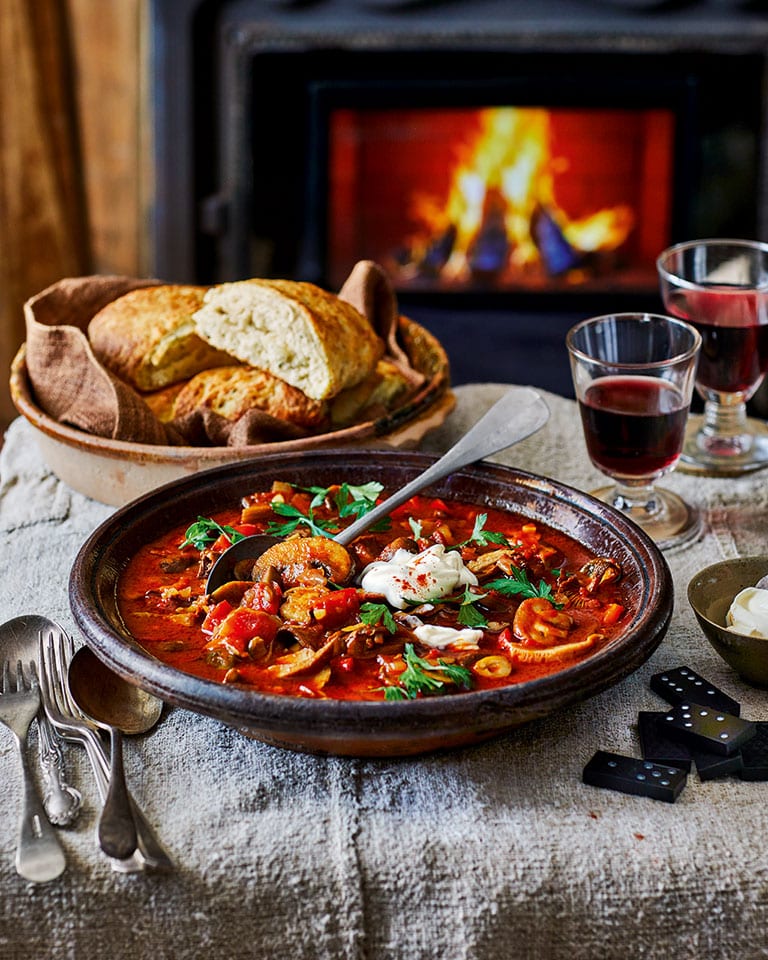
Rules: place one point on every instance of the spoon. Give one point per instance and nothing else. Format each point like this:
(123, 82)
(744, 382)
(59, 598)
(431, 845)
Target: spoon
(61, 801)
(117, 707)
(518, 414)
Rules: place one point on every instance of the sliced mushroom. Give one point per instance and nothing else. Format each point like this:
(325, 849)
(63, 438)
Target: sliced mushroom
(565, 651)
(305, 660)
(538, 620)
(599, 571)
(299, 559)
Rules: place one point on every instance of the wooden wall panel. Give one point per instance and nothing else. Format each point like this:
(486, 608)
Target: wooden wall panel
(108, 85)
(43, 224)
(70, 154)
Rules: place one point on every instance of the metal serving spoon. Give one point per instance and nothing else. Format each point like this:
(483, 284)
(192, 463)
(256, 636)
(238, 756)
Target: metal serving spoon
(518, 414)
(117, 707)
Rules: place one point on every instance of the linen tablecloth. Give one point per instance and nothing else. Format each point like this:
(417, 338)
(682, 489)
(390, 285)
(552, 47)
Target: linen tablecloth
(494, 851)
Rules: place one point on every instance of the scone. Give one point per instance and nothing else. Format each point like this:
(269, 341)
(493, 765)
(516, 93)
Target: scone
(296, 331)
(372, 397)
(232, 391)
(147, 337)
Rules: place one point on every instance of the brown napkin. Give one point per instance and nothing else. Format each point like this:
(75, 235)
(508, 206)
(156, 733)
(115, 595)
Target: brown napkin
(369, 289)
(73, 387)
(70, 384)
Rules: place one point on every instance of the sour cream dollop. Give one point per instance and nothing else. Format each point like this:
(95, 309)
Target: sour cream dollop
(441, 637)
(748, 614)
(417, 577)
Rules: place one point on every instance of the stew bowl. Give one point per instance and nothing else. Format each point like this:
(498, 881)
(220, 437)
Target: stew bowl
(364, 728)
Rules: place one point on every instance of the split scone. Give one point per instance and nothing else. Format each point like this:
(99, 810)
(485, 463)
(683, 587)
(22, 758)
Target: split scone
(148, 339)
(232, 391)
(296, 331)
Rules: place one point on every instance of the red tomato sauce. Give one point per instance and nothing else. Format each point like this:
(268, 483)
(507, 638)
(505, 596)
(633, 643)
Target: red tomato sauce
(294, 630)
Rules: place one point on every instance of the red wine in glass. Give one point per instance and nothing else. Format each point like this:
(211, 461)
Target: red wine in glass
(733, 324)
(633, 426)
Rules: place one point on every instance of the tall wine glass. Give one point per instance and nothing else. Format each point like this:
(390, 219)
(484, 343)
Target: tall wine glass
(721, 287)
(633, 374)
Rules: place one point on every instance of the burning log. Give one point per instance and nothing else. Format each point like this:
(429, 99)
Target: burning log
(489, 251)
(557, 255)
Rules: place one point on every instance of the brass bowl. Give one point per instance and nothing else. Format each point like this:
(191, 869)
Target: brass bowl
(710, 594)
(117, 471)
(363, 728)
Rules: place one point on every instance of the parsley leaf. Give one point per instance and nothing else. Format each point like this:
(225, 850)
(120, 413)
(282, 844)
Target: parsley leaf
(419, 677)
(415, 526)
(350, 500)
(366, 491)
(205, 531)
(518, 583)
(482, 536)
(319, 527)
(469, 615)
(373, 613)
(356, 501)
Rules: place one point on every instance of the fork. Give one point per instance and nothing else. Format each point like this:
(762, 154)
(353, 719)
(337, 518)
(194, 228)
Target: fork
(55, 652)
(39, 856)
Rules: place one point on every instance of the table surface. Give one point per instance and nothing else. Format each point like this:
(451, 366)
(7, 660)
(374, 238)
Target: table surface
(494, 851)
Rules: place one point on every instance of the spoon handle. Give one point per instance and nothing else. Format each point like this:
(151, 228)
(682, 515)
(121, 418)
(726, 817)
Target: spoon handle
(117, 830)
(61, 801)
(518, 414)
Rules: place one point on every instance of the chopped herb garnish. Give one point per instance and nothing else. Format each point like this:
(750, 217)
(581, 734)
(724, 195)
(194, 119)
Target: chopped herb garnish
(319, 527)
(373, 613)
(356, 501)
(419, 677)
(350, 500)
(482, 536)
(205, 531)
(415, 526)
(518, 583)
(469, 615)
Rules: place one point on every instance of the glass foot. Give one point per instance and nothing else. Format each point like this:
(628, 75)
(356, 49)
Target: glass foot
(725, 461)
(672, 523)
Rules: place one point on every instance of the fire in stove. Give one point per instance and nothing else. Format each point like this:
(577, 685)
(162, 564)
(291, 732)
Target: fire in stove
(505, 198)
(501, 221)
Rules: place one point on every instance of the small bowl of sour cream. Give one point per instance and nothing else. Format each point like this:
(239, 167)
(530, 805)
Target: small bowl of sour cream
(730, 601)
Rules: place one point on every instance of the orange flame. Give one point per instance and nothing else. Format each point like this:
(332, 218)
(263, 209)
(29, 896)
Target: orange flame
(502, 180)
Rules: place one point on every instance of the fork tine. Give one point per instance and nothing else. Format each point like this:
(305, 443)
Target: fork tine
(65, 649)
(50, 677)
(6, 677)
(19, 676)
(26, 682)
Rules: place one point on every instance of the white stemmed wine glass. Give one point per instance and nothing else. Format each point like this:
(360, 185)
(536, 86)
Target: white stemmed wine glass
(633, 375)
(721, 287)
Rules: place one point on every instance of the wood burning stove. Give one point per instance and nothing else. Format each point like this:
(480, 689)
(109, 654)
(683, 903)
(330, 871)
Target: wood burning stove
(513, 173)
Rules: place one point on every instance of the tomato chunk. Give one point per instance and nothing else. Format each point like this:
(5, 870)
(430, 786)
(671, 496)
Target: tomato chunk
(216, 616)
(243, 624)
(264, 596)
(337, 608)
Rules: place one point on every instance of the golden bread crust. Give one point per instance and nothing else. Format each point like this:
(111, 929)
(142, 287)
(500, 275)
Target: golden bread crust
(372, 397)
(297, 331)
(232, 391)
(146, 337)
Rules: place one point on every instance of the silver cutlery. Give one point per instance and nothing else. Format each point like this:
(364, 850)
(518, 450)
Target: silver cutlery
(39, 856)
(56, 652)
(62, 803)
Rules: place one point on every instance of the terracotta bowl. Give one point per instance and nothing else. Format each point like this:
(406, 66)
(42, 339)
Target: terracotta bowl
(710, 594)
(117, 471)
(396, 728)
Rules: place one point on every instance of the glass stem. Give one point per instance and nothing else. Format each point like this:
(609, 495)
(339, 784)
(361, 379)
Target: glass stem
(636, 499)
(725, 429)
